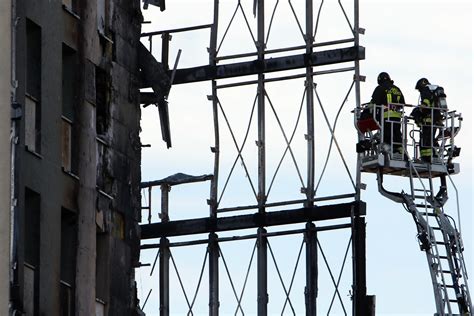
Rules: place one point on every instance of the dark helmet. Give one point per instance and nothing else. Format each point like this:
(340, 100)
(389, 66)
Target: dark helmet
(383, 77)
(421, 83)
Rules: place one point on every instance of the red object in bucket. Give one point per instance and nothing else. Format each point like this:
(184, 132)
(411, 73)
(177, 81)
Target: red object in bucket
(367, 125)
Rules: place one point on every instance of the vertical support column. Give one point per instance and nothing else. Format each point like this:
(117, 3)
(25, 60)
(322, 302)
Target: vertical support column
(5, 176)
(261, 108)
(165, 189)
(215, 113)
(213, 203)
(149, 205)
(213, 243)
(213, 41)
(359, 288)
(311, 289)
(359, 301)
(357, 93)
(309, 106)
(213, 275)
(164, 255)
(164, 277)
(165, 50)
(262, 293)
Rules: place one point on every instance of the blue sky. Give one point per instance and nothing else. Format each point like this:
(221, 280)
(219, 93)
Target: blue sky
(409, 40)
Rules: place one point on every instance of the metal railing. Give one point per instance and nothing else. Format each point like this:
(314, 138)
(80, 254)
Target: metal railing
(442, 126)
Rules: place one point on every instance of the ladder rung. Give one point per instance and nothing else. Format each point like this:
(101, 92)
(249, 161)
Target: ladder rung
(446, 271)
(424, 205)
(453, 301)
(429, 214)
(436, 228)
(422, 197)
(443, 257)
(449, 286)
(440, 243)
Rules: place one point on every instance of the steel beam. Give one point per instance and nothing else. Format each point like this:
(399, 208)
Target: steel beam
(247, 237)
(165, 189)
(215, 115)
(321, 58)
(208, 225)
(262, 291)
(359, 288)
(213, 247)
(165, 50)
(179, 30)
(309, 107)
(261, 197)
(262, 243)
(164, 277)
(311, 289)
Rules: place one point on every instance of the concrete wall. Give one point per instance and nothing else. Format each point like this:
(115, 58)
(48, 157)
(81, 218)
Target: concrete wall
(5, 66)
(107, 226)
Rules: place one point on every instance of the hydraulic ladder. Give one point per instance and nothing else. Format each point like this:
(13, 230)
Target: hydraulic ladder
(441, 241)
(438, 235)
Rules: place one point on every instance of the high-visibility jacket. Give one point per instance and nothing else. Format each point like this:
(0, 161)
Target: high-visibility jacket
(386, 93)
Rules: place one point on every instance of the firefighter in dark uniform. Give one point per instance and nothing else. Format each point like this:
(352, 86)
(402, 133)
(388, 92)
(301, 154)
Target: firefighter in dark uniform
(384, 94)
(428, 118)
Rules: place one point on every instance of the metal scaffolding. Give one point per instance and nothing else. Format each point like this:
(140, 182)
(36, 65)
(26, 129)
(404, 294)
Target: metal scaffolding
(343, 212)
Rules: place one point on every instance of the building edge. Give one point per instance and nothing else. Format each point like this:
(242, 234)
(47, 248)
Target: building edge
(5, 85)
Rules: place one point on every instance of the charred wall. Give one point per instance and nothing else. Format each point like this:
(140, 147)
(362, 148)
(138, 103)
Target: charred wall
(78, 157)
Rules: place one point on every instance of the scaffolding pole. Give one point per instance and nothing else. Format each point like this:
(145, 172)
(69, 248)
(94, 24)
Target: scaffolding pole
(215, 113)
(309, 106)
(359, 289)
(261, 108)
(164, 255)
(311, 290)
(262, 291)
(164, 277)
(213, 247)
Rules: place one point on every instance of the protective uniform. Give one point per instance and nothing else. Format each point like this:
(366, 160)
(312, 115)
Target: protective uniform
(384, 94)
(427, 118)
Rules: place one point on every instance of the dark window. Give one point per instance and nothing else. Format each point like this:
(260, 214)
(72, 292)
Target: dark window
(69, 105)
(69, 79)
(102, 100)
(32, 251)
(33, 59)
(68, 261)
(32, 227)
(33, 87)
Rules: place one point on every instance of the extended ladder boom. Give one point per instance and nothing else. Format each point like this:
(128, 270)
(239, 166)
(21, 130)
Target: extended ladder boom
(443, 246)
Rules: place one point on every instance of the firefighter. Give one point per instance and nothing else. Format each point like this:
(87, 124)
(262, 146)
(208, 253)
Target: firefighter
(428, 117)
(385, 94)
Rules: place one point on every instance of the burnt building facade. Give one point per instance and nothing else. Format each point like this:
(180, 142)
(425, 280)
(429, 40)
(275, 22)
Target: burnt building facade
(76, 157)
